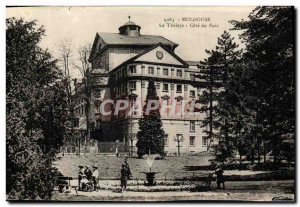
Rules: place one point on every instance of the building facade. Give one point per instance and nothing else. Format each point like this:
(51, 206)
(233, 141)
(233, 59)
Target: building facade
(122, 65)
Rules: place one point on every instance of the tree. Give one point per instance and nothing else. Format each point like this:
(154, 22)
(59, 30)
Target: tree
(269, 58)
(33, 81)
(65, 58)
(150, 137)
(92, 79)
(216, 70)
(211, 75)
(240, 117)
(86, 72)
(83, 65)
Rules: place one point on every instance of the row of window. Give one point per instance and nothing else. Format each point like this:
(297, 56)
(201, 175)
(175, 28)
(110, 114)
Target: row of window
(192, 140)
(165, 88)
(165, 72)
(179, 72)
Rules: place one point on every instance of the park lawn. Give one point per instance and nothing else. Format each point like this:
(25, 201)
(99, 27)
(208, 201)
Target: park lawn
(170, 168)
(109, 166)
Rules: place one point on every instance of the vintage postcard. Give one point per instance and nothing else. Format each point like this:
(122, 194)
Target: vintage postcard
(150, 103)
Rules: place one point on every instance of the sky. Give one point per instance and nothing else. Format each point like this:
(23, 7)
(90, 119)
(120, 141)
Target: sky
(80, 24)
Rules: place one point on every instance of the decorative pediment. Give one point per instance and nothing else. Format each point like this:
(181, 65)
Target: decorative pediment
(160, 55)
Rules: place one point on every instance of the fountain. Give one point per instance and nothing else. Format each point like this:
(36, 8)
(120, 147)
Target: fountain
(150, 175)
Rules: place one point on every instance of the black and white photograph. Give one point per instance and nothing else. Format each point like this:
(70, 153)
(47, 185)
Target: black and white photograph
(150, 103)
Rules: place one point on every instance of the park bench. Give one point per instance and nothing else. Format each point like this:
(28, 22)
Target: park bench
(64, 184)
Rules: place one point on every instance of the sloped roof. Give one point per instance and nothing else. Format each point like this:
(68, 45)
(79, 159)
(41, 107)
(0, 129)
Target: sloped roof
(119, 39)
(192, 63)
(148, 50)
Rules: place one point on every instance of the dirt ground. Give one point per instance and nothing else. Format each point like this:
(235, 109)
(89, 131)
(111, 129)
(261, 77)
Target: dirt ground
(236, 191)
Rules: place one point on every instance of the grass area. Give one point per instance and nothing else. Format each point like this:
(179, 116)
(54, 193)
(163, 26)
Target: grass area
(109, 166)
(171, 168)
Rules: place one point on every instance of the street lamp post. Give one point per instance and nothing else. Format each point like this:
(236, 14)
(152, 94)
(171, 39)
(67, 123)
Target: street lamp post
(132, 137)
(179, 138)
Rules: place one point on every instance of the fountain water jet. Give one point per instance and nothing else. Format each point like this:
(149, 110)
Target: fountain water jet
(150, 175)
(150, 160)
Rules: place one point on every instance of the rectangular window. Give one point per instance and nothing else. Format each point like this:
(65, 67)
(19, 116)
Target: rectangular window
(151, 70)
(165, 87)
(82, 109)
(204, 141)
(132, 69)
(192, 140)
(97, 93)
(118, 90)
(192, 94)
(178, 88)
(157, 85)
(158, 71)
(179, 73)
(132, 85)
(106, 62)
(76, 122)
(192, 75)
(166, 71)
(166, 139)
(192, 126)
(124, 88)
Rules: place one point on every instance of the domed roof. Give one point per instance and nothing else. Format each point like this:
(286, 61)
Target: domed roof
(129, 23)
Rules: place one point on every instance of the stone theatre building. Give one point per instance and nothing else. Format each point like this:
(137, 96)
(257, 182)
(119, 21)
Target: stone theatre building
(122, 64)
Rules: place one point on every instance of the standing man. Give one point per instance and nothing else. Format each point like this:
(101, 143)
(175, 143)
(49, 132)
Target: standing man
(128, 168)
(95, 177)
(124, 177)
(80, 174)
(88, 173)
(220, 177)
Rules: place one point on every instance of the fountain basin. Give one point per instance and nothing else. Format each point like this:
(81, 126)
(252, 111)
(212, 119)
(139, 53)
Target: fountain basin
(150, 176)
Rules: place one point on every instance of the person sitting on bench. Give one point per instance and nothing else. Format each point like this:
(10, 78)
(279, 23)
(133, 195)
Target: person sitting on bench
(85, 184)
